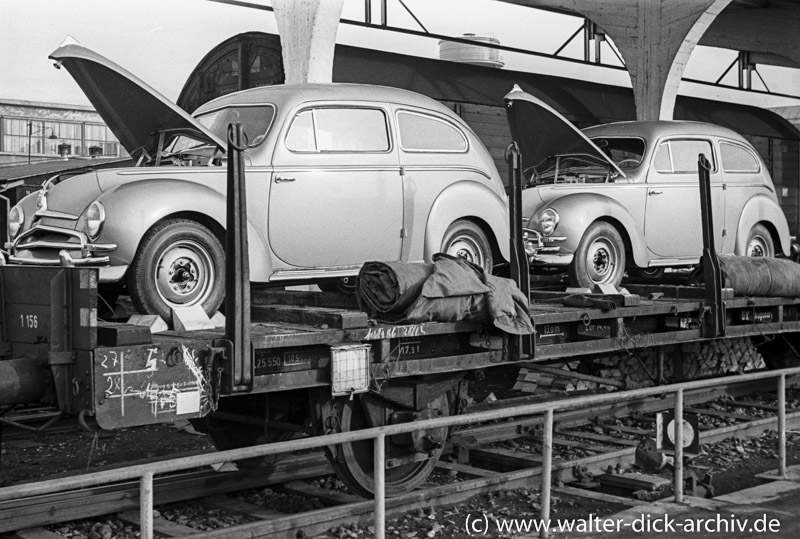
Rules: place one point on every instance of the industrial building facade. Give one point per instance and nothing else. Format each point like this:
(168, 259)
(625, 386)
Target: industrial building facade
(31, 132)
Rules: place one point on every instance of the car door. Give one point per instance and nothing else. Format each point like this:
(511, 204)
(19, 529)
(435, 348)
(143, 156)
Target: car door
(673, 223)
(336, 197)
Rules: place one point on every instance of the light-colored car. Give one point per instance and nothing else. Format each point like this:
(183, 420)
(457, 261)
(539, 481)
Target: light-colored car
(336, 174)
(626, 195)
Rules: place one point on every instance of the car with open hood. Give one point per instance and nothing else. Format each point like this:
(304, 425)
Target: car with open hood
(626, 196)
(336, 175)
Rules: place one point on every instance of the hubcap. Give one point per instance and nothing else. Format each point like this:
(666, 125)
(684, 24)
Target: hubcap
(184, 274)
(466, 248)
(757, 247)
(603, 259)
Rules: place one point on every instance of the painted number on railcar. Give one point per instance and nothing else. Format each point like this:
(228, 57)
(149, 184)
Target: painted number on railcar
(271, 361)
(29, 321)
(409, 348)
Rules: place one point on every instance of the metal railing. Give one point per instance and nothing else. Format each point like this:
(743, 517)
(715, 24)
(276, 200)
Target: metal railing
(145, 472)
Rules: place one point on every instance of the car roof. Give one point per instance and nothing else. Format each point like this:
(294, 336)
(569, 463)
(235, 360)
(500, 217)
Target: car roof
(651, 130)
(287, 94)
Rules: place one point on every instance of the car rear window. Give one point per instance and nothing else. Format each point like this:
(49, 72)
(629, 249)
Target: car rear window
(423, 133)
(333, 129)
(737, 159)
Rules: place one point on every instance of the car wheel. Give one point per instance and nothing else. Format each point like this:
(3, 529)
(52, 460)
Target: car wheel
(464, 239)
(599, 258)
(342, 285)
(649, 274)
(759, 242)
(179, 263)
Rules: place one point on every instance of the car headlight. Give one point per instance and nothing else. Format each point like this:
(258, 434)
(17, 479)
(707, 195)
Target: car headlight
(95, 217)
(16, 220)
(548, 221)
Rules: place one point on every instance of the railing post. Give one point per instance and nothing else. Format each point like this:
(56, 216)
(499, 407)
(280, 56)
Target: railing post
(678, 422)
(547, 468)
(146, 506)
(379, 460)
(782, 425)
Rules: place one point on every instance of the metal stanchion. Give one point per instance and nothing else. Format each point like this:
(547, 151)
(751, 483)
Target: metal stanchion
(547, 469)
(678, 422)
(380, 485)
(146, 506)
(782, 425)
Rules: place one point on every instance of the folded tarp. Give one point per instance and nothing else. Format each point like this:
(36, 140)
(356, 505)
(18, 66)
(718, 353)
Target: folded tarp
(760, 276)
(449, 290)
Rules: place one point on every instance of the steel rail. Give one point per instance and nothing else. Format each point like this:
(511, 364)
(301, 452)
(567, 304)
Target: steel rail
(145, 472)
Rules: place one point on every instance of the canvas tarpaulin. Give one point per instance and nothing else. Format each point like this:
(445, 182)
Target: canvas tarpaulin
(760, 276)
(449, 290)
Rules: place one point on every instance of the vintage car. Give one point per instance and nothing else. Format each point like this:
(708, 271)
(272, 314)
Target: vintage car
(336, 175)
(626, 195)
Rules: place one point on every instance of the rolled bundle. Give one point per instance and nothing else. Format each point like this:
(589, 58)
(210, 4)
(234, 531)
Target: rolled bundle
(760, 276)
(449, 290)
(389, 288)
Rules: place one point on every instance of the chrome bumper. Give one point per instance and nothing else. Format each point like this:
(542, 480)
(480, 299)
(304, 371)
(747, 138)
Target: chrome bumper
(541, 251)
(27, 242)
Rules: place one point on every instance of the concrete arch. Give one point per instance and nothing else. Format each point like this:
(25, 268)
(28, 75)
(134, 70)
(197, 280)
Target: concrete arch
(677, 66)
(308, 35)
(654, 37)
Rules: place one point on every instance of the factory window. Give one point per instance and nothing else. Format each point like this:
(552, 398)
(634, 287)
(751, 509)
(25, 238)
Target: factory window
(100, 136)
(40, 138)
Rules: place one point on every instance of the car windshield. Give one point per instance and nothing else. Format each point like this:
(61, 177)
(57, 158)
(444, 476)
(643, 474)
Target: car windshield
(255, 119)
(626, 152)
(570, 168)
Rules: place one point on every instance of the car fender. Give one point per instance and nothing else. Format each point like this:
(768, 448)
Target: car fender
(467, 200)
(577, 211)
(134, 207)
(762, 209)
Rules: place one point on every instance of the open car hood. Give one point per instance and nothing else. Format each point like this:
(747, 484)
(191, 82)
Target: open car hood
(135, 112)
(541, 132)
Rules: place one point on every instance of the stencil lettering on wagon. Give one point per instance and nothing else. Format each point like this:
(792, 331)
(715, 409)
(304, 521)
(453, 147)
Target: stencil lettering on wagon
(149, 384)
(393, 332)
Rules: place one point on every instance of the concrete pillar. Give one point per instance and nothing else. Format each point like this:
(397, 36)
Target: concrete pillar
(654, 37)
(308, 35)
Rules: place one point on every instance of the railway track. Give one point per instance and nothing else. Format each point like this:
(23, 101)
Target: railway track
(480, 458)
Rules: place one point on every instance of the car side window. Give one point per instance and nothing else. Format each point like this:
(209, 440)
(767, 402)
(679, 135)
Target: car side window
(663, 159)
(735, 158)
(680, 156)
(345, 129)
(423, 133)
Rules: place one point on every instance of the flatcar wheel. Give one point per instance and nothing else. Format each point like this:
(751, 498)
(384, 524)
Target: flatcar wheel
(409, 459)
(240, 422)
(782, 351)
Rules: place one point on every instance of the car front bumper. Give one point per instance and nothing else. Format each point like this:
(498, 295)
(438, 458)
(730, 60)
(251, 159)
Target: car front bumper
(44, 245)
(543, 251)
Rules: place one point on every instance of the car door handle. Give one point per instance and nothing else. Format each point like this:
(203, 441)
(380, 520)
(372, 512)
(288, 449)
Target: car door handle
(653, 192)
(279, 179)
